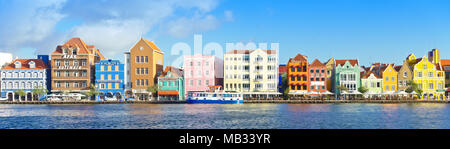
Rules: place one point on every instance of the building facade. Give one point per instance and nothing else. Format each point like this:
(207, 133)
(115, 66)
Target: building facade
(26, 75)
(429, 79)
(202, 71)
(347, 74)
(73, 66)
(252, 72)
(446, 67)
(143, 64)
(318, 76)
(330, 74)
(298, 75)
(389, 75)
(282, 71)
(171, 84)
(109, 80)
(373, 83)
(404, 76)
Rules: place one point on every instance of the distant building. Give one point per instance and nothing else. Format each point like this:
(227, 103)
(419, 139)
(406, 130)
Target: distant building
(143, 64)
(171, 84)
(252, 72)
(405, 76)
(389, 75)
(72, 67)
(330, 74)
(202, 71)
(318, 76)
(282, 70)
(298, 76)
(446, 67)
(373, 83)
(347, 74)
(24, 74)
(109, 76)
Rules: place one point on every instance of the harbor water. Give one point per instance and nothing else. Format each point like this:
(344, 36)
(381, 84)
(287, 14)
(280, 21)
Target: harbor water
(221, 116)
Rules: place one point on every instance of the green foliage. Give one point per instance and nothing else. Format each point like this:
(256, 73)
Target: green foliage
(153, 89)
(363, 89)
(93, 91)
(39, 91)
(20, 92)
(342, 88)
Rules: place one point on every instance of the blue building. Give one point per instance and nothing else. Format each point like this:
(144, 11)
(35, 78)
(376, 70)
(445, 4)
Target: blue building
(109, 76)
(25, 75)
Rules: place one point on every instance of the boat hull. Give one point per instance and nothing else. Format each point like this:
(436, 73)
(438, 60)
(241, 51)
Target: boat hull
(215, 101)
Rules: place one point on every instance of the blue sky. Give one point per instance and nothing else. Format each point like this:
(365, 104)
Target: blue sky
(369, 30)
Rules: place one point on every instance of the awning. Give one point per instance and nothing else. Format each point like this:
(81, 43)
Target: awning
(168, 93)
(448, 90)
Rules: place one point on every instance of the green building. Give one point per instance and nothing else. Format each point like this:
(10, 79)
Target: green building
(347, 74)
(171, 84)
(373, 83)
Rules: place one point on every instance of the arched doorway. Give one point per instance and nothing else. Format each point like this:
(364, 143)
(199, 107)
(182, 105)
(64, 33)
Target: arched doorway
(118, 96)
(109, 95)
(29, 97)
(10, 96)
(424, 96)
(431, 96)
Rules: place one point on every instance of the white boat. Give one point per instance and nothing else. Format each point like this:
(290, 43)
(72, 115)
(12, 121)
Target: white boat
(215, 95)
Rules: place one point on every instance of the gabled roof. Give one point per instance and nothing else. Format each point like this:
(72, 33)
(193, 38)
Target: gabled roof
(152, 45)
(330, 60)
(39, 64)
(341, 62)
(82, 47)
(176, 72)
(249, 51)
(398, 67)
(367, 74)
(298, 58)
(316, 63)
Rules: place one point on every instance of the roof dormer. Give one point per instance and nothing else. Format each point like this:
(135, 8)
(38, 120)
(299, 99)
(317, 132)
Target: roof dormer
(17, 64)
(32, 64)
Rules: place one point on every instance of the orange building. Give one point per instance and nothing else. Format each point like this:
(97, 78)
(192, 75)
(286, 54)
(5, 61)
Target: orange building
(143, 64)
(298, 74)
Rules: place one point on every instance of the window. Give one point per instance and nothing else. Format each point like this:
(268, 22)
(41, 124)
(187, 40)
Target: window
(387, 79)
(293, 69)
(137, 59)
(66, 62)
(109, 77)
(430, 86)
(67, 74)
(83, 63)
(199, 82)
(191, 82)
(419, 74)
(430, 74)
(392, 78)
(138, 71)
(207, 82)
(146, 59)
(405, 74)
(116, 77)
(75, 85)
(117, 68)
(109, 68)
(75, 62)
(102, 68)
(67, 85)
(138, 82)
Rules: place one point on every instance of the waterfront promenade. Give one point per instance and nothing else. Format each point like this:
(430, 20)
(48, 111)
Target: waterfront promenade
(245, 102)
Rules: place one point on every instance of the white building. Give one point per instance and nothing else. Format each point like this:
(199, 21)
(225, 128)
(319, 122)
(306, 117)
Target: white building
(252, 72)
(23, 74)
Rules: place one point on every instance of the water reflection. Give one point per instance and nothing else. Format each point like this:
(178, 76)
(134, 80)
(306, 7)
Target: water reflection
(214, 116)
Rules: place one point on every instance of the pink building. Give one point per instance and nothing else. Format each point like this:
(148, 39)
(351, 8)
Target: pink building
(200, 72)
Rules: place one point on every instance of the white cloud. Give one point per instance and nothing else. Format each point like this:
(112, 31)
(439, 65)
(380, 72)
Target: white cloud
(111, 25)
(183, 27)
(112, 36)
(29, 22)
(229, 15)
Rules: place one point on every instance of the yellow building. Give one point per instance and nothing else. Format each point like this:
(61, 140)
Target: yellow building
(429, 78)
(389, 79)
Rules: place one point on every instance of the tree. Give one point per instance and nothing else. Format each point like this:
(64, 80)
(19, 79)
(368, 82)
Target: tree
(342, 88)
(21, 93)
(414, 87)
(93, 91)
(153, 89)
(286, 93)
(39, 91)
(363, 89)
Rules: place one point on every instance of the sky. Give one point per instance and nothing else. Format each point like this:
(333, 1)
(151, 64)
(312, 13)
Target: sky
(368, 30)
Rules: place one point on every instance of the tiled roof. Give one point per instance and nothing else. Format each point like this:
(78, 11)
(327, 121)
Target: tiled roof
(445, 62)
(398, 67)
(176, 72)
(152, 45)
(341, 62)
(316, 63)
(249, 51)
(82, 47)
(299, 58)
(24, 64)
(367, 74)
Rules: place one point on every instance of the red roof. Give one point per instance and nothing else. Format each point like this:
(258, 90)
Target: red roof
(168, 93)
(445, 62)
(24, 64)
(299, 58)
(342, 62)
(176, 72)
(282, 69)
(316, 63)
(82, 47)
